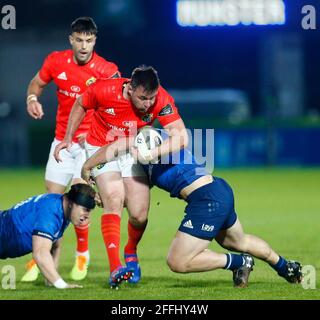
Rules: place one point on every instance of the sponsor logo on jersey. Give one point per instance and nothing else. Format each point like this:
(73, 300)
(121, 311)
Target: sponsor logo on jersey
(42, 234)
(147, 117)
(100, 166)
(188, 224)
(75, 89)
(62, 76)
(110, 111)
(116, 128)
(91, 81)
(70, 94)
(128, 123)
(206, 227)
(166, 110)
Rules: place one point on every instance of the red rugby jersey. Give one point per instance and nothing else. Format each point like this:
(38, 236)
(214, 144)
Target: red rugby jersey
(72, 80)
(114, 115)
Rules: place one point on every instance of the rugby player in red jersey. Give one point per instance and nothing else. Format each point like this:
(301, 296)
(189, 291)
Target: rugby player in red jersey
(121, 107)
(72, 71)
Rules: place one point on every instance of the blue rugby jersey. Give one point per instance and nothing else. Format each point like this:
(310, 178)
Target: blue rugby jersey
(176, 172)
(40, 215)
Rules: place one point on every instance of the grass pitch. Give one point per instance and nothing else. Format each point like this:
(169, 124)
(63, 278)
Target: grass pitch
(280, 205)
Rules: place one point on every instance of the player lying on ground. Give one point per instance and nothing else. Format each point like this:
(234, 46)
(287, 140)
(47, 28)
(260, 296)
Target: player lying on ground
(210, 214)
(37, 224)
(72, 71)
(121, 106)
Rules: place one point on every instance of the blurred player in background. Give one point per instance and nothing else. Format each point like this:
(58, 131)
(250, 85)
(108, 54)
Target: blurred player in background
(121, 107)
(210, 214)
(72, 71)
(37, 224)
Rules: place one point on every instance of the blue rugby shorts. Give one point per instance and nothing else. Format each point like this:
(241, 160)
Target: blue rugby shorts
(210, 209)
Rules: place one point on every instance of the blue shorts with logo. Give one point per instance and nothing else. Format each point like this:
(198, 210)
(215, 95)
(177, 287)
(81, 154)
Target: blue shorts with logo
(210, 209)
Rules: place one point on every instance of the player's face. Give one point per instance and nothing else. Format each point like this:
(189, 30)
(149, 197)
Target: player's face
(141, 99)
(82, 46)
(79, 215)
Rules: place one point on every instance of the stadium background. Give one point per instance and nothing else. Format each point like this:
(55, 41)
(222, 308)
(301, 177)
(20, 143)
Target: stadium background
(257, 86)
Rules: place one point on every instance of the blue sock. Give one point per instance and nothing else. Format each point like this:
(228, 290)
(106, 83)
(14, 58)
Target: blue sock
(234, 261)
(280, 266)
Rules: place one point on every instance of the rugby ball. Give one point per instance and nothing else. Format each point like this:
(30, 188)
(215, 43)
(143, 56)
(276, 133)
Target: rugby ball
(147, 139)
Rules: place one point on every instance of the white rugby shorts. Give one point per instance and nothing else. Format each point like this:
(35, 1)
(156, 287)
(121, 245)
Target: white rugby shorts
(124, 164)
(70, 167)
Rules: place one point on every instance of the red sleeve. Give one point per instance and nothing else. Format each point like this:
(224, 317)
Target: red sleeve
(111, 71)
(89, 97)
(45, 72)
(168, 112)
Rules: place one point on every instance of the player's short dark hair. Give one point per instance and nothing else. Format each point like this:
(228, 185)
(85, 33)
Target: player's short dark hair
(83, 195)
(145, 76)
(84, 25)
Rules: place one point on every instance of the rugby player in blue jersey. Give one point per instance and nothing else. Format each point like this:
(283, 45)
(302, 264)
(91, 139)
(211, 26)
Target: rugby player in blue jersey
(37, 224)
(209, 214)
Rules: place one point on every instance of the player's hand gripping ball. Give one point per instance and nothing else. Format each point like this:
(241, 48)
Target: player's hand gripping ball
(146, 140)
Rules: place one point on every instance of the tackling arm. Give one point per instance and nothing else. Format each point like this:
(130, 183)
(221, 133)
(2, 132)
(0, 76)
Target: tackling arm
(105, 154)
(178, 139)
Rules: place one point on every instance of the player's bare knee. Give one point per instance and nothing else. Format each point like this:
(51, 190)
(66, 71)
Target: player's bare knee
(138, 214)
(138, 220)
(176, 264)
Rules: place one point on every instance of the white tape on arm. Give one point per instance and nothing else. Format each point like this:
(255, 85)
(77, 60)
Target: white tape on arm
(32, 97)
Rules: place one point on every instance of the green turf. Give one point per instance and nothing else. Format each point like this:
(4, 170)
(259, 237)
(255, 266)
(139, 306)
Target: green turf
(280, 205)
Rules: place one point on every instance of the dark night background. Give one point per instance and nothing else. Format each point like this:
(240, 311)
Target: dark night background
(132, 32)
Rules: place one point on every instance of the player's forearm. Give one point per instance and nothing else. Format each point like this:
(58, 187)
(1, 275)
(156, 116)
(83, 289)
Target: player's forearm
(109, 152)
(174, 143)
(34, 88)
(97, 158)
(55, 252)
(46, 264)
(76, 116)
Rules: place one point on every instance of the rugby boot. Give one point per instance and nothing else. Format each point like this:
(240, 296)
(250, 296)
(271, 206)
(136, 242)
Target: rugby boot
(132, 262)
(241, 275)
(119, 275)
(293, 273)
(32, 272)
(80, 268)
